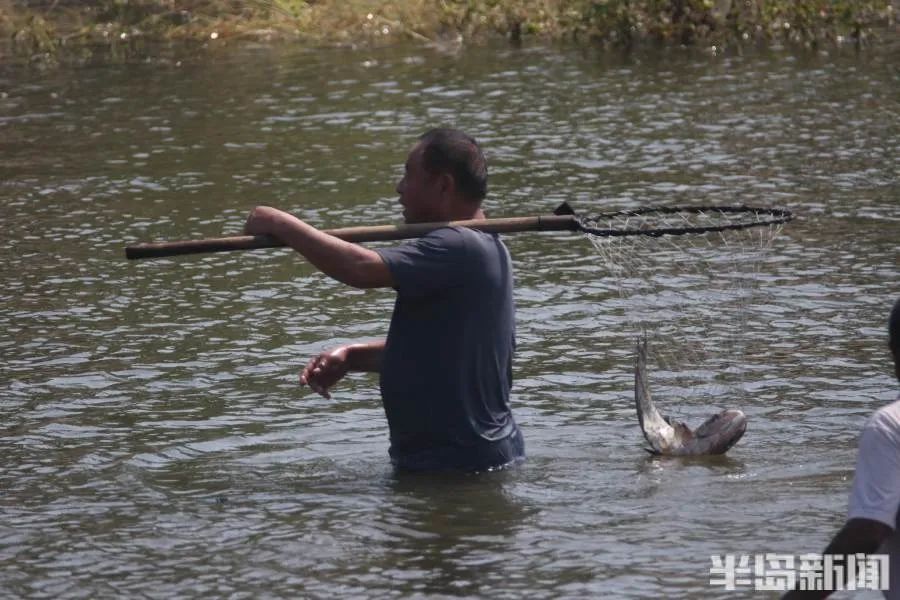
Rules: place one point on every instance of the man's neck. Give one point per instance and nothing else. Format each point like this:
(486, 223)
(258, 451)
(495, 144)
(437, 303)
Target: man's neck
(466, 212)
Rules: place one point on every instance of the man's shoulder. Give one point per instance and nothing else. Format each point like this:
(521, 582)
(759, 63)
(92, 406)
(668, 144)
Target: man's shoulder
(456, 232)
(446, 235)
(456, 236)
(475, 237)
(441, 240)
(886, 419)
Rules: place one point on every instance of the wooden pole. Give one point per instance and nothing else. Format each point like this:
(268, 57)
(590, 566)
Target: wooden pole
(376, 233)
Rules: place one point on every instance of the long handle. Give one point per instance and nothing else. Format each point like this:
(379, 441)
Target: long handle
(374, 233)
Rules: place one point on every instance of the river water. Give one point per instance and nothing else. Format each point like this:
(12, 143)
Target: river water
(155, 443)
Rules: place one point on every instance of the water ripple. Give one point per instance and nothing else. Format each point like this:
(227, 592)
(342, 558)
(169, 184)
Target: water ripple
(156, 443)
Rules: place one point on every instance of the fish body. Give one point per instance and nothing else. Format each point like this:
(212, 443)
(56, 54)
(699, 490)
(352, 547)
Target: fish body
(716, 435)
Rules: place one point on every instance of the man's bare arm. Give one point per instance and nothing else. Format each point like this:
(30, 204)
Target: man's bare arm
(365, 356)
(329, 367)
(862, 536)
(346, 262)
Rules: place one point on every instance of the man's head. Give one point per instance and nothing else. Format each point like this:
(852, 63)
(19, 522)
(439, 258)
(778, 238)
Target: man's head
(894, 336)
(445, 178)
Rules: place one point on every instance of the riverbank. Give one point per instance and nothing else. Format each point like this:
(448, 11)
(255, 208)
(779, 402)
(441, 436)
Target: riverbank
(53, 30)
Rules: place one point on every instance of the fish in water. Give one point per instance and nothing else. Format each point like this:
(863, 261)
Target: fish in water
(666, 436)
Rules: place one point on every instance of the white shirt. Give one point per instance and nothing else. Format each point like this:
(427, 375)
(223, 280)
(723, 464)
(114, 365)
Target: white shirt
(875, 493)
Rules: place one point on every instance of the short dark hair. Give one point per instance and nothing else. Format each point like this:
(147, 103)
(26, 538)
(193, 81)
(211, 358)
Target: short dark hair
(894, 331)
(451, 151)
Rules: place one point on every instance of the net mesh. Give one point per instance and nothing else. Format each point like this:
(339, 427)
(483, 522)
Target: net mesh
(680, 220)
(700, 300)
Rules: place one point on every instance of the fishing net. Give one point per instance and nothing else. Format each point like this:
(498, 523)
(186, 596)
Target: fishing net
(693, 282)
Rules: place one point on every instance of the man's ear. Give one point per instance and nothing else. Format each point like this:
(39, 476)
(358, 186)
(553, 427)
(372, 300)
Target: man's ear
(447, 185)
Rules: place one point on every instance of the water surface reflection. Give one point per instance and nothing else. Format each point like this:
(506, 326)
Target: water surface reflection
(155, 441)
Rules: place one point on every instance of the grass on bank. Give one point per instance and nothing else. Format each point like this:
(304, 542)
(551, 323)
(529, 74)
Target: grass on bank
(46, 28)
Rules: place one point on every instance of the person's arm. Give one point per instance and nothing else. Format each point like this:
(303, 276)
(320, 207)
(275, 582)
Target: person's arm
(329, 367)
(346, 262)
(862, 536)
(874, 498)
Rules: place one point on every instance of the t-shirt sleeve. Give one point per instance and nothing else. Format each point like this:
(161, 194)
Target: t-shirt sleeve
(434, 262)
(875, 493)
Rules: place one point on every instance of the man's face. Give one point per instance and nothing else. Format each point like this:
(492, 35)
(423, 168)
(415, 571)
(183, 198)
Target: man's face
(418, 190)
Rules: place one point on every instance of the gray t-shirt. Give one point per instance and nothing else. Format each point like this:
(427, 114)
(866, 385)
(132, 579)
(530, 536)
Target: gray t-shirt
(447, 367)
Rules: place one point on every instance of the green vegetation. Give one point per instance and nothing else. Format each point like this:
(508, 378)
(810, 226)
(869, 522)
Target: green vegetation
(45, 28)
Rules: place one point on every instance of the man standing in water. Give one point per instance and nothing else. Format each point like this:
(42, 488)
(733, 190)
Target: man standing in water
(446, 365)
(875, 496)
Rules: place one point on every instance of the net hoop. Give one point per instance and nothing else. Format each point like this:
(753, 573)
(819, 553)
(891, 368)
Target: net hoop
(755, 217)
